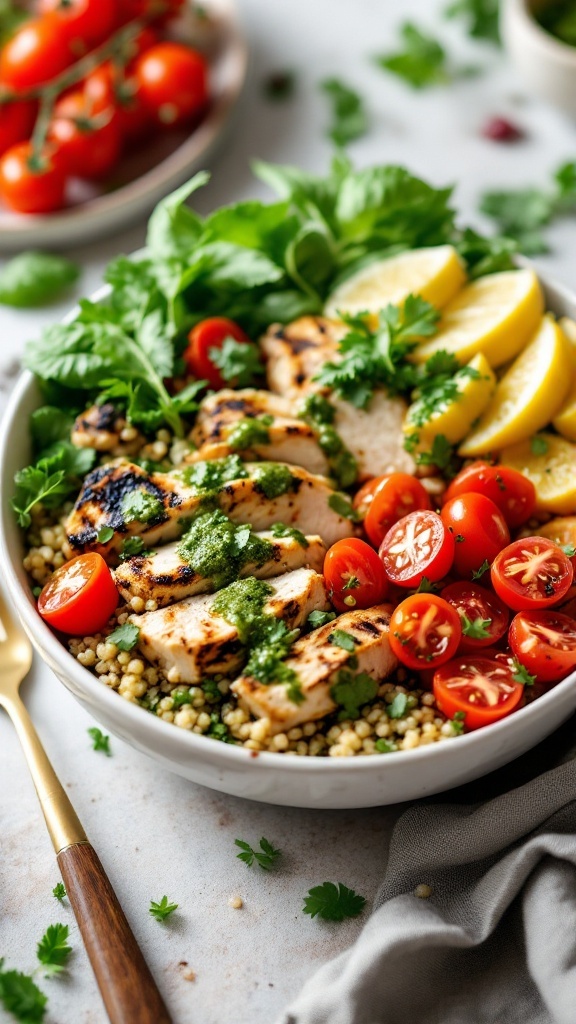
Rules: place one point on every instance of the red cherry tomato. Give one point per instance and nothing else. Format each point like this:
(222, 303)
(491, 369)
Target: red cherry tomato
(107, 93)
(90, 21)
(30, 185)
(418, 545)
(394, 497)
(79, 598)
(365, 495)
(479, 530)
(173, 82)
(531, 573)
(484, 616)
(36, 53)
(87, 146)
(129, 10)
(16, 123)
(205, 336)
(483, 688)
(424, 631)
(545, 643)
(354, 575)
(510, 490)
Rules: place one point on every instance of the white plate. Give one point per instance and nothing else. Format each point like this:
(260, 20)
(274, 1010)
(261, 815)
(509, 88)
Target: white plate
(272, 778)
(155, 168)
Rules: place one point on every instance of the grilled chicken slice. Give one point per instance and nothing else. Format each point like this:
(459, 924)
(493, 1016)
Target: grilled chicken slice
(294, 353)
(165, 577)
(374, 435)
(102, 503)
(286, 439)
(317, 663)
(190, 641)
(100, 427)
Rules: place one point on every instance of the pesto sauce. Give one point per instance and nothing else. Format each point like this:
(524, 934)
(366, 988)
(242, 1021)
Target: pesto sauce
(141, 506)
(241, 604)
(273, 479)
(207, 478)
(250, 431)
(319, 414)
(218, 549)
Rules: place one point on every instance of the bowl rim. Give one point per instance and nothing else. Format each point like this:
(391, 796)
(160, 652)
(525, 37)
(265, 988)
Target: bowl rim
(133, 718)
(559, 50)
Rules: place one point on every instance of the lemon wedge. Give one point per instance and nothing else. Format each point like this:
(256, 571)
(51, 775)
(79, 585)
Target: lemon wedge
(561, 530)
(456, 417)
(495, 315)
(569, 328)
(552, 471)
(529, 394)
(436, 274)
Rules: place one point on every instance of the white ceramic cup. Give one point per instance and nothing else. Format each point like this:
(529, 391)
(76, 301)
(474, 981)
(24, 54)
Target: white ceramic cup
(546, 64)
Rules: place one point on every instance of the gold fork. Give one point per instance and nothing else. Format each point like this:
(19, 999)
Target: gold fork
(127, 987)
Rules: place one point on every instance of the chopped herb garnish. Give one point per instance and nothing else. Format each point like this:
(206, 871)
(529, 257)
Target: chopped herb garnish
(440, 385)
(426, 587)
(59, 891)
(522, 675)
(351, 692)
(422, 61)
(141, 506)
(478, 628)
(349, 116)
(134, 546)
(400, 706)
(249, 432)
(333, 902)
(53, 949)
(538, 445)
(273, 479)
(441, 455)
(125, 637)
(352, 583)
(21, 997)
(342, 639)
(343, 507)
(281, 530)
(219, 550)
(105, 534)
(522, 213)
(481, 17)
(478, 573)
(317, 619)
(266, 856)
(99, 740)
(568, 549)
(385, 746)
(207, 478)
(458, 722)
(239, 362)
(160, 911)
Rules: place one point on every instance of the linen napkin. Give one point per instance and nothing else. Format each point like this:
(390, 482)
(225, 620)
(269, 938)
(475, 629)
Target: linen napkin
(495, 943)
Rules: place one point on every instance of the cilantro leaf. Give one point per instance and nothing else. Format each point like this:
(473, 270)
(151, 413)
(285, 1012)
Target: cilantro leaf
(478, 573)
(476, 628)
(349, 116)
(458, 722)
(440, 383)
(522, 675)
(51, 479)
(281, 530)
(486, 255)
(342, 639)
(35, 278)
(132, 546)
(239, 362)
(160, 911)
(21, 997)
(351, 692)
(59, 891)
(333, 902)
(317, 619)
(441, 455)
(99, 740)
(522, 213)
(125, 637)
(422, 61)
(481, 17)
(53, 949)
(265, 857)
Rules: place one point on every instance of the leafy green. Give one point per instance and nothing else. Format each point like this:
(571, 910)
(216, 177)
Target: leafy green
(422, 60)
(351, 692)
(343, 507)
(342, 639)
(141, 507)
(349, 116)
(58, 469)
(35, 279)
(522, 213)
(207, 478)
(478, 628)
(333, 902)
(99, 740)
(59, 891)
(21, 997)
(160, 911)
(132, 546)
(281, 530)
(317, 619)
(442, 454)
(458, 722)
(439, 385)
(522, 675)
(53, 949)
(385, 746)
(266, 856)
(478, 573)
(400, 706)
(239, 362)
(538, 445)
(125, 637)
(481, 17)
(486, 255)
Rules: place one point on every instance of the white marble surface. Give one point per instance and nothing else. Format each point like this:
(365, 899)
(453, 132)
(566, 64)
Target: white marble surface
(155, 832)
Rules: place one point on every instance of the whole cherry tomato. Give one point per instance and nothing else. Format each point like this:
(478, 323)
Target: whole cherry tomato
(394, 497)
(36, 53)
(483, 615)
(31, 184)
(545, 643)
(80, 597)
(416, 546)
(531, 573)
(365, 495)
(511, 491)
(483, 689)
(88, 21)
(173, 82)
(479, 530)
(203, 339)
(117, 96)
(87, 146)
(424, 631)
(160, 10)
(16, 122)
(354, 575)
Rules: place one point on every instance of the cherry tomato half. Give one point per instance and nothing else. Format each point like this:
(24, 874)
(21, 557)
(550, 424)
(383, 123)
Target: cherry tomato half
(418, 545)
(545, 643)
(483, 615)
(394, 497)
(31, 186)
(16, 123)
(90, 21)
(479, 530)
(531, 573)
(424, 631)
(483, 688)
(204, 337)
(354, 575)
(173, 82)
(88, 146)
(79, 598)
(510, 490)
(36, 53)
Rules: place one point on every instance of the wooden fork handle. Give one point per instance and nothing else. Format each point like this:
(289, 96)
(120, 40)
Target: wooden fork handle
(125, 982)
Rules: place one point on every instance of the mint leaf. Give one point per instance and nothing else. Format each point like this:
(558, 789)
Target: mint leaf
(35, 279)
(349, 116)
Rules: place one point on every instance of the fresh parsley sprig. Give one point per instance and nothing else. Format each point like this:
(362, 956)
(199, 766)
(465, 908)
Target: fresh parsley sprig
(59, 891)
(265, 857)
(99, 740)
(422, 60)
(53, 949)
(21, 997)
(161, 910)
(333, 902)
(350, 119)
(521, 213)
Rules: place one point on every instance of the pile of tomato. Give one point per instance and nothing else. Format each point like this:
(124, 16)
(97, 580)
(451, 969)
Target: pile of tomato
(482, 619)
(58, 123)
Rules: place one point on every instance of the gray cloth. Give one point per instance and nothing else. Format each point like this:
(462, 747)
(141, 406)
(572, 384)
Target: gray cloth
(496, 941)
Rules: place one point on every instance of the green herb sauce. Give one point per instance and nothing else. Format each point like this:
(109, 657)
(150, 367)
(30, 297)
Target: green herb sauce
(208, 478)
(319, 415)
(273, 479)
(281, 530)
(218, 549)
(141, 506)
(249, 432)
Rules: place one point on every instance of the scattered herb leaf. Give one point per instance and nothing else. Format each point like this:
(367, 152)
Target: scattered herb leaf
(422, 61)
(99, 740)
(476, 628)
(35, 278)
(342, 639)
(458, 722)
(125, 637)
(478, 573)
(160, 911)
(538, 445)
(53, 949)
(349, 116)
(317, 619)
(21, 997)
(333, 902)
(266, 856)
(59, 891)
(522, 675)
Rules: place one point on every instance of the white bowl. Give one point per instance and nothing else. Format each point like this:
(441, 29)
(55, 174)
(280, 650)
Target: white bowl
(270, 778)
(157, 167)
(546, 64)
